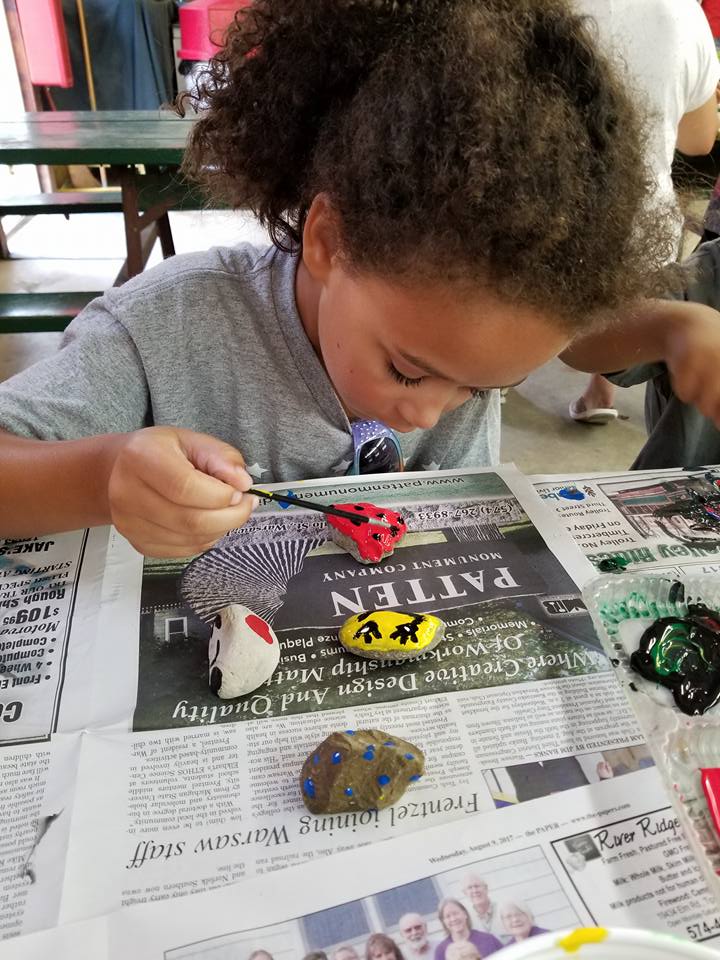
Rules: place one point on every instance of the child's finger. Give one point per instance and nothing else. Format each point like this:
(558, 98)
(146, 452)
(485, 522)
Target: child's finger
(176, 479)
(217, 459)
(182, 523)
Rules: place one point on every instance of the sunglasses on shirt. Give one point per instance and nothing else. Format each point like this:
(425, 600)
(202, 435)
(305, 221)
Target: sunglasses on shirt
(376, 449)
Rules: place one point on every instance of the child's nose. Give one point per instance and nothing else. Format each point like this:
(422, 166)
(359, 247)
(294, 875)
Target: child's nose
(424, 410)
(424, 414)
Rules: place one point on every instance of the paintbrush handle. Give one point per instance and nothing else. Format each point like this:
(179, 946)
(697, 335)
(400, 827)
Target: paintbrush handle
(310, 505)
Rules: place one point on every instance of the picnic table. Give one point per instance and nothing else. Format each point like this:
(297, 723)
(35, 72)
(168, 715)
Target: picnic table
(143, 150)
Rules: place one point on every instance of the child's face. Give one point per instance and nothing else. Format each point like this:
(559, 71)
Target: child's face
(406, 356)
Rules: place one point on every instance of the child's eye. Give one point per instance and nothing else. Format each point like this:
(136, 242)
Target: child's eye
(401, 378)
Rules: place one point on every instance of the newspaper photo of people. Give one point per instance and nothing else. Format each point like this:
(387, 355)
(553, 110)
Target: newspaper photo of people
(465, 914)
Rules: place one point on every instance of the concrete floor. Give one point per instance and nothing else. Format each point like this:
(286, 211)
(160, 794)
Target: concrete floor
(537, 432)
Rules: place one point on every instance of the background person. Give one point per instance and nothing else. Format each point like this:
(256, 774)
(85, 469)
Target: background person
(456, 923)
(382, 947)
(345, 952)
(518, 921)
(668, 53)
(484, 911)
(463, 951)
(414, 932)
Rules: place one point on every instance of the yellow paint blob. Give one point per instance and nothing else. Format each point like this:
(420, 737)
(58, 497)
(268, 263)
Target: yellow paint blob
(578, 938)
(389, 631)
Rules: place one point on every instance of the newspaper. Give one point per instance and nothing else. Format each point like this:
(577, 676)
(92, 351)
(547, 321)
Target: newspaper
(662, 520)
(150, 787)
(610, 855)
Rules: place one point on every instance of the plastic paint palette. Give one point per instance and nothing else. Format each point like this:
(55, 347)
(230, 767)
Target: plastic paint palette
(686, 748)
(599, 943)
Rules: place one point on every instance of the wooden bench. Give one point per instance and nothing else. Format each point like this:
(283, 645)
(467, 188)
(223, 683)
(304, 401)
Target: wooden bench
(75, 201)
(41, 312)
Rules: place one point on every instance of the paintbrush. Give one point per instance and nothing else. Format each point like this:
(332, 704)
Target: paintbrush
(311, 505)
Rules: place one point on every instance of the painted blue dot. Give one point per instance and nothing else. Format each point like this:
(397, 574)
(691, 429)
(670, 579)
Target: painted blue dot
(409, 756)
(350, 733)
(389, 743)
(316, 759)
(309, 787)
(336, 757)
(368, 755)
(416, 776)
(348, 791)
(286, 506)
(383, 779)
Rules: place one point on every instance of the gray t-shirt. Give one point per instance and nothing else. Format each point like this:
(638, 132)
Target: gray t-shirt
(213, 342)
(678, 434)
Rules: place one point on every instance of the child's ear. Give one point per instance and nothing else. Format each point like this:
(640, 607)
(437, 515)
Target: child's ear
(321, 237)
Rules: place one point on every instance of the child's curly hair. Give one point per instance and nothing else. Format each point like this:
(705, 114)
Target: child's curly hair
(477, 142)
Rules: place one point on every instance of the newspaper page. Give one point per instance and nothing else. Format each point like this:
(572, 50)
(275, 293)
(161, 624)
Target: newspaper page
(515, 704)
(50, 589)
(610, 855)
(663, 520)
(150, 787)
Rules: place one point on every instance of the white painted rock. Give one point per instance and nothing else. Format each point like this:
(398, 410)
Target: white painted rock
(243, 652)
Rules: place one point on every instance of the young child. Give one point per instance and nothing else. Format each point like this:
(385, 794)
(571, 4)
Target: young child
(450, 184)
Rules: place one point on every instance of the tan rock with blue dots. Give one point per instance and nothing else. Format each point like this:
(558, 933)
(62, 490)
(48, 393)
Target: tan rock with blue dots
(359, 770)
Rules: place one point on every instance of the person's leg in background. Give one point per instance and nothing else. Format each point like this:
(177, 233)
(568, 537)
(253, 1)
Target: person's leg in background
(596, 403)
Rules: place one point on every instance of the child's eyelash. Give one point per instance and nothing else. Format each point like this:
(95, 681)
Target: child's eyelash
(475, 393)
(401, 378)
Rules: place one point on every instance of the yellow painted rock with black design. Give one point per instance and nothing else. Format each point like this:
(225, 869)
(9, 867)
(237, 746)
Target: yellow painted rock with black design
(391, 634)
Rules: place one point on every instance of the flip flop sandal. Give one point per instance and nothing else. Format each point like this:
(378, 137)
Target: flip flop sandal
(597, 415)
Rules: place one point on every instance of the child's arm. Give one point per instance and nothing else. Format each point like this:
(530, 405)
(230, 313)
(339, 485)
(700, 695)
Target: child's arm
(685, 336)
(171, 492)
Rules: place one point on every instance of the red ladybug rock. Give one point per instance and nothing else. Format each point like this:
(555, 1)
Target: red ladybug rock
(367, 542)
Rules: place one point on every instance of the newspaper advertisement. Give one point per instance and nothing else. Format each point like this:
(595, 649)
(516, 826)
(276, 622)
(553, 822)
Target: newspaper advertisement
(50, 589)
(611, 855)
(171, 791)
(663, 520)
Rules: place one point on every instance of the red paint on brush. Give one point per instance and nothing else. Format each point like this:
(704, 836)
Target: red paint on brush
(374, 541)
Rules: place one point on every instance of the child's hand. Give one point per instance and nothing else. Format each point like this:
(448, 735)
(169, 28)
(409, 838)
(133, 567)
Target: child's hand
(174, 492)
(692, 356)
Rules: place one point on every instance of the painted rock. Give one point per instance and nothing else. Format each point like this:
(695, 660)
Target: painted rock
(391, 634)
(359, 770)
(243, 652)
(367, 542)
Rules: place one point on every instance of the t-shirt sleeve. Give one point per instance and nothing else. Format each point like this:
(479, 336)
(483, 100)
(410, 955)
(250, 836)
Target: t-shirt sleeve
(703, 68)
(94, 384)
(642, 373)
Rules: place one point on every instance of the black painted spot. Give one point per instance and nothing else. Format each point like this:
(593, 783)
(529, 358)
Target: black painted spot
(215, 679)
(394, 531)
(676, 593)
(376, 536)
(358, 507)
(218, 621)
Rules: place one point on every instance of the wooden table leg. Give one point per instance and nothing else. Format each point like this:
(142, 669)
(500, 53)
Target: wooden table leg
(141, 229)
